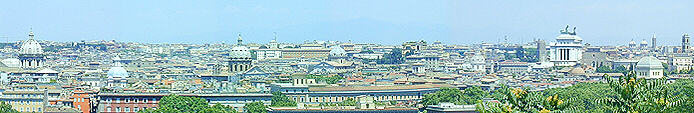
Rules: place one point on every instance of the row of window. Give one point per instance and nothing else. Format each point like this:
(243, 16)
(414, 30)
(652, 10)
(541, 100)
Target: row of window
(28, 109)
(127, 109)
(24, 96)
(133, 100)
(336, 99)
(79, 100)
(27, 102)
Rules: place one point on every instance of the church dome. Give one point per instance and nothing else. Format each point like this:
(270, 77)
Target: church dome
(337, 51)
(632, 42)
(240, 52)
(117, 72)
(649, 62)
(30, 46)
(643, 42)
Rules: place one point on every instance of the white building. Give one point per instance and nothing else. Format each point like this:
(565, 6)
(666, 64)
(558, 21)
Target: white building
(649, 68)
(680, 62)
(568, 49)
(269, 54)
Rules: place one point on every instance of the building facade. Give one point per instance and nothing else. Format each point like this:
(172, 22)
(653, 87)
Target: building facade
(26, 98)
(568, 49)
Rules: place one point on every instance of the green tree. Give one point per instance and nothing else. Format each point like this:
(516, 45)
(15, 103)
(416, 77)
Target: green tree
(281, 100)
(469, 96)
(255, 107)
(394, 57)
(685, 89)
(348, 102)
(520, 100)
(330, 79)
(584, 95)
(621, 69)
(604, 69)
(638, 95)
(185, 104)
(474, 94)
(7, 108)
(174, 104)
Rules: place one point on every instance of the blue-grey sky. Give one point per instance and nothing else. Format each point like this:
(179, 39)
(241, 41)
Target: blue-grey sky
(599, 22)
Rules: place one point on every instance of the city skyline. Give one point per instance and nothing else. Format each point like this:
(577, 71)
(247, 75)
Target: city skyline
(356, 56)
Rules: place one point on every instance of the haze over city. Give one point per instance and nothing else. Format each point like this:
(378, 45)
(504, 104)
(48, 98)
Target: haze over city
(455, 22)
(346, 56)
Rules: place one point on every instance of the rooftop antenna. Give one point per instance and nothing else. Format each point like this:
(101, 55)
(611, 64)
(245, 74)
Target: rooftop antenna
(275, 33)
(506, 39)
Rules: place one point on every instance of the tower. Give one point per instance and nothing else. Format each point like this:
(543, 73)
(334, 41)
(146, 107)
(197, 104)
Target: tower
(541, 51)
(239, 41)
(273, 43)
(685, 43)
(653, 46)
(31, 54)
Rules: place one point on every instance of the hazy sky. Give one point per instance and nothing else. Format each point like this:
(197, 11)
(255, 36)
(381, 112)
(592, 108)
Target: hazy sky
(599, 22)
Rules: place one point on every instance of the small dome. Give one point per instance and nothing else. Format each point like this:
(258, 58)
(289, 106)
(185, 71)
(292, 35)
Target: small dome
(337, 51)
(649, 62)
(643, 42)
(632, 42)
(117, 72)
(240, 52)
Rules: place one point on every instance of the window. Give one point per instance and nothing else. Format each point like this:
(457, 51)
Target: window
(79, 107)
(127, 109)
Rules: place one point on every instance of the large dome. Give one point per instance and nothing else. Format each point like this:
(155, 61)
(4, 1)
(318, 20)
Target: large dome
(337, 51)
(649, 62)
(117, 72)
(240, 52)
(30, 46)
